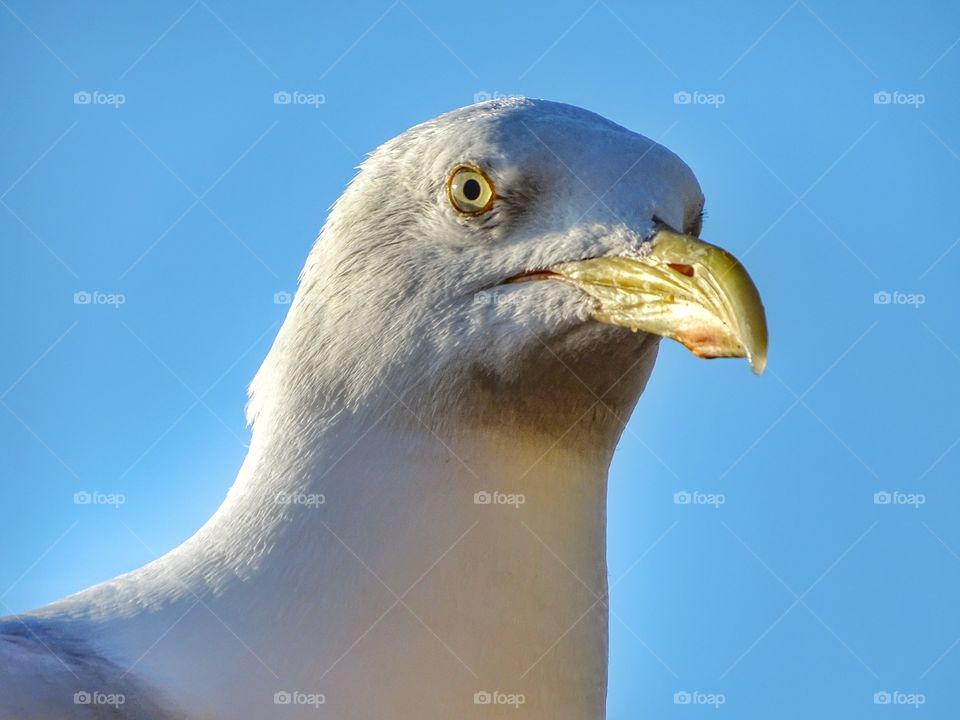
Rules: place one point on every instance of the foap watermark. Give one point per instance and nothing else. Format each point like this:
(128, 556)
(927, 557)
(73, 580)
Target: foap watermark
(96, 697)
(484, 497)
(696, 697)
(484, 95)
(895, 297)
(95, 297)
(695, 497)
(895, 97)
(886, 497)
(297, 97)
(97, 97)
(95, 497)
(282, 297)
(496, 697)
(897, 697)
(295, 697)
(492, 297)
(696, 97)
(311, 500)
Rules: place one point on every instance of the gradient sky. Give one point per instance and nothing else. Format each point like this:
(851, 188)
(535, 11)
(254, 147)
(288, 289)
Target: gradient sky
(184, 191)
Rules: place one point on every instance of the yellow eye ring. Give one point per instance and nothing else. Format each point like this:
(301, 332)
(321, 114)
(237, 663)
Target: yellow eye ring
(469, 190)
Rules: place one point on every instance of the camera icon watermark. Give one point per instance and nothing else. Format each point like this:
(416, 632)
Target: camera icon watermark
(297, 97)
(295, 697)
(696, 697)
(95, 497)
(895, 297)
(495, 497)
(96, 97)
(695, 497)
(895, 97)
(886, 497)
(96, 697)
(695, 97)
(492, 298)
(484, 95)
(896, 697)
(495, 697)
(310, 500)
(282, 297)
(95, 297)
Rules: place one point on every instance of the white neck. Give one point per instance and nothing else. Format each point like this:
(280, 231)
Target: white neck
(385, 585)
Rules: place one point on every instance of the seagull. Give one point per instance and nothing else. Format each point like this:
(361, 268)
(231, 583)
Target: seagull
(418, 528)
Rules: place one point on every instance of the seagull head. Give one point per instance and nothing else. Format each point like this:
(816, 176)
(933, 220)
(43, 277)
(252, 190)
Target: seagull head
(515, 258)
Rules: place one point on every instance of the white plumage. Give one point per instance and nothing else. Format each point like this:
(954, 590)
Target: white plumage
(352, 569)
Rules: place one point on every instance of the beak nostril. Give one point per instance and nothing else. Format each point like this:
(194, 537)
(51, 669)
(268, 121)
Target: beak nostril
(681, 268)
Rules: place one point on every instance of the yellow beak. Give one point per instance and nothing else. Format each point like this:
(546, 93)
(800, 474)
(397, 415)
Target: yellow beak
(681, 288)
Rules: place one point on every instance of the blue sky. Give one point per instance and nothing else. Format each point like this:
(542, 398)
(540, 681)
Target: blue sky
(182, 198)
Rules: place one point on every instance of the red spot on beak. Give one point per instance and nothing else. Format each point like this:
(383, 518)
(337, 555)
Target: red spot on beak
(681, 268)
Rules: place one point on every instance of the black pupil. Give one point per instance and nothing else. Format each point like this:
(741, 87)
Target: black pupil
(471, 189)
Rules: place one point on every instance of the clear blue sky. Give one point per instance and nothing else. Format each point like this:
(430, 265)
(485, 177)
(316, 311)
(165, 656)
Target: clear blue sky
(197, 198)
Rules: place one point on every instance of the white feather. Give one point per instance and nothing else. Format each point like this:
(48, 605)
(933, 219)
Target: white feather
(394, 396)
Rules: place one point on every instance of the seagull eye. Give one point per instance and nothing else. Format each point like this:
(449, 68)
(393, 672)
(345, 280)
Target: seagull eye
(469, 190)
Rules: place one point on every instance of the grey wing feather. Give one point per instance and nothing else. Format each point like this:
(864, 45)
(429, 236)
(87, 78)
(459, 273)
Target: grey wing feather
(48, 671)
